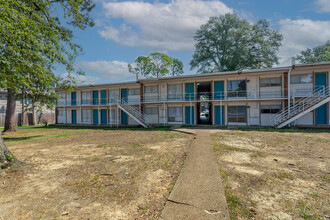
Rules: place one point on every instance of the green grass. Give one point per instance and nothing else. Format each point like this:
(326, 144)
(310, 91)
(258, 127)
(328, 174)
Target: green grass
(236, 208)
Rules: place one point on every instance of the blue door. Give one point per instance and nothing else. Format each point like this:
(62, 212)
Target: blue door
(123, 114)
(95, 97)
(218, 90)
(103, 97)
(189, 115)
(104, 116)
(124, 95)
(189, 91)
(219, 115)
(73, 98)
(95, 116)
(74, 116)
(321, 112)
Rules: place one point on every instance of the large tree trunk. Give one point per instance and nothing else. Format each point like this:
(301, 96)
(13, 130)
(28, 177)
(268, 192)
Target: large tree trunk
(7, 159)
(10, 120)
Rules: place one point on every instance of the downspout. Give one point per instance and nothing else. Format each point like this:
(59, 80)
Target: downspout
(289, 90)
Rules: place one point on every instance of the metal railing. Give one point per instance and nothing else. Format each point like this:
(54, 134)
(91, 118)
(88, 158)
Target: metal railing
(301, 105)
(134, 112)
(185, 97)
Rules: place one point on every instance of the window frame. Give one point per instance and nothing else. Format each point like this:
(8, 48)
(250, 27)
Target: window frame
(269, 83)
(236, 115)
(236, 92)
(176, 117)
(300, 76)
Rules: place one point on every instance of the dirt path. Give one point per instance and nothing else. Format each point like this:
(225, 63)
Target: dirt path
(198, 192)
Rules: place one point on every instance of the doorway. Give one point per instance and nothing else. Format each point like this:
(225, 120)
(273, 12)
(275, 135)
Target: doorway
(204, 107)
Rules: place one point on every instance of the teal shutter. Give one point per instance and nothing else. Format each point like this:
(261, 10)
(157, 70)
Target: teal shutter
(104, 116)
(95, 97)
(95, 116)
(189, 91)
(189, 115)
(74, 116)
(73, 98)
(103, 97)
(218, 90)
(321, 112)
(219, 116)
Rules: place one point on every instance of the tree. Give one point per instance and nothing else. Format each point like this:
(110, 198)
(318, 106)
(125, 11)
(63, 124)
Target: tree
(316, 54)
(157, 65)
(228, 43)
(33, 42)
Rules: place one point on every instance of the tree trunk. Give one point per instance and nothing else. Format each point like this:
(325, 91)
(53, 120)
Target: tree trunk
(7, 159)
(34, 121)
(10, 120)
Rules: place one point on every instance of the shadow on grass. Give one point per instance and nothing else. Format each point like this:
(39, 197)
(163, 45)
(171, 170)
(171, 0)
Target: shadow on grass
(14, 139)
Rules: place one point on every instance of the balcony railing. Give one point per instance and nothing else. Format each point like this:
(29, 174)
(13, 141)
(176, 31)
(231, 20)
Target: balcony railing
(187, 97)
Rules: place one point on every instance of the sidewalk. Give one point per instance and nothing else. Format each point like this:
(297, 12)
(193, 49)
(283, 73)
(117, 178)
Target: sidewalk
(198, 192)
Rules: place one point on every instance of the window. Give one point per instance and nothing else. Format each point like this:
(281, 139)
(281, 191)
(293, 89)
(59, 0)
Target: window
(134, 91)
(113, 95)
(175, 114)
(302, 78)
(85, 97)
(151, 111)
(237, 114)
(3, 97)
(60, 113)
(236, 88)
(268, 82)
(86, 115)
(270, 109)
(174, 91)
(113, 116)
(151, 89)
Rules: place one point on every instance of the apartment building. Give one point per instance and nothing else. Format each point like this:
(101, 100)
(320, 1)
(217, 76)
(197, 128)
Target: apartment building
(297, 95)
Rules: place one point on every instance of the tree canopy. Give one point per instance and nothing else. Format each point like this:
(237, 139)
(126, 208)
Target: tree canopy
(156, 65)
(316, 54)
(228, 43)
(33, 42)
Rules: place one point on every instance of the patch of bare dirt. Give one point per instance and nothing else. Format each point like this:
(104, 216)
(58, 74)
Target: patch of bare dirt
(275, 175)
(91, 174)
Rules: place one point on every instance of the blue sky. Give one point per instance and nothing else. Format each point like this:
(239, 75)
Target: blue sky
(125, 30)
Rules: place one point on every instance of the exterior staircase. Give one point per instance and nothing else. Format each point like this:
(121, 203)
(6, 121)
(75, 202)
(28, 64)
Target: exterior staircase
(134, 112)
(307, 104)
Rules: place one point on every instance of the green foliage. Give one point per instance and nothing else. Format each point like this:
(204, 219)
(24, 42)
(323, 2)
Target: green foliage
(317, 54)
(227, 43)
(10, 158)
(33, 43)
(156, 65)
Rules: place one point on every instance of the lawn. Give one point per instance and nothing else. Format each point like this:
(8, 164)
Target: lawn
(275, 174)
(79, 173)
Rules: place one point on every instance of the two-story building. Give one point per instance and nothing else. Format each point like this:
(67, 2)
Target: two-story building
(296, 95)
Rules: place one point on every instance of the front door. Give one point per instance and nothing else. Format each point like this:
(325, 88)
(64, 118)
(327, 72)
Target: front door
(95, 116)
(219, 115)
(123, 114)
(74, 116)
(104, 116)
(95, 97)
(73, 98)
(321, 112)
(189, 115)
(189, 91)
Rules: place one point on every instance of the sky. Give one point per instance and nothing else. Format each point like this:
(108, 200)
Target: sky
(125, 30)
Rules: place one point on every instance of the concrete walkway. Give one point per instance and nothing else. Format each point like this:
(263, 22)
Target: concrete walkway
(198, 192)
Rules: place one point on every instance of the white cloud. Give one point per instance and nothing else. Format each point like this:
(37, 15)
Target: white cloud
(83, 79)
(302, 34)
(112, 71)
(158, 25)
(323, 6)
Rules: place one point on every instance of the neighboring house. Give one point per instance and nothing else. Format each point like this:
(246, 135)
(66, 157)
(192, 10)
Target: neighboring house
(240, 98)
(47, 115)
